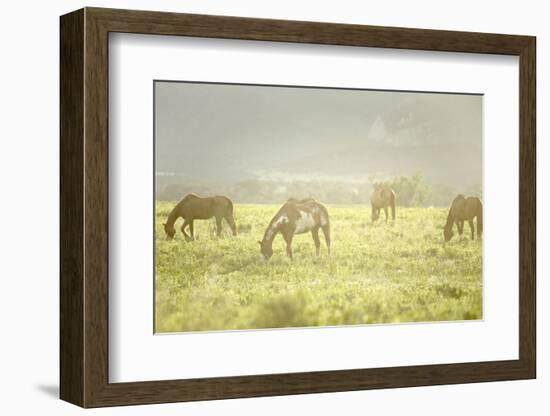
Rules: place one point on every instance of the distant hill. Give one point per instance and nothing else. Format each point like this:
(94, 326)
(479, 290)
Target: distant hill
(229, 133)
(451, 164)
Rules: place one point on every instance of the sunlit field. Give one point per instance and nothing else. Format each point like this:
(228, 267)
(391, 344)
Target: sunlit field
(377, 273)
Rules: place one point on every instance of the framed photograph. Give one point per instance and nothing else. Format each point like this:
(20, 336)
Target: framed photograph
(254, 207)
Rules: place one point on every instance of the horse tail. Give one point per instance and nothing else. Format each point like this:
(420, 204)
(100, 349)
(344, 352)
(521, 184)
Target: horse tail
(229, 206)
(480, 219)
(325, 226)
(392, 204)
(229, 215)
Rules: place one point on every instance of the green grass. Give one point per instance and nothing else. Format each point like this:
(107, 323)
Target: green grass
(379, 273)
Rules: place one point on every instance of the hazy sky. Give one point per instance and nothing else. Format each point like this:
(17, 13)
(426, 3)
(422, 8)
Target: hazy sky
(224, 132)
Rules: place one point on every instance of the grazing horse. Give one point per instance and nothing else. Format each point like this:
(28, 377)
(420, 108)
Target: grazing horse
(193, 207)
(464, 209)
(382, 198)
(297, 217)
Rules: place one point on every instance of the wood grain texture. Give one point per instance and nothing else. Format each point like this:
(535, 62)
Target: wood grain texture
(527, 208)
(162, 23)
(84, 207)
(71, 213)
(96, 208)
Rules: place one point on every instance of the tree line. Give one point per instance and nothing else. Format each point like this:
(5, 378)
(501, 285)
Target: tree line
(411, 191)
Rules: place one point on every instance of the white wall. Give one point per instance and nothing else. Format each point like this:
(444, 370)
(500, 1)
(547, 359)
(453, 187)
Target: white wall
(29, 227)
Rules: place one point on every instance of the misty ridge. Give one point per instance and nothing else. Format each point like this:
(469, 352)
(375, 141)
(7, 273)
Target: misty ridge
(261, 144)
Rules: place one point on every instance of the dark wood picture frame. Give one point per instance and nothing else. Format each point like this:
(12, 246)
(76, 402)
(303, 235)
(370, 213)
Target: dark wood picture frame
(84, 207)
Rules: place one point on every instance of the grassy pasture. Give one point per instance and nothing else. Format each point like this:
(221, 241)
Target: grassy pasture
(377, 273)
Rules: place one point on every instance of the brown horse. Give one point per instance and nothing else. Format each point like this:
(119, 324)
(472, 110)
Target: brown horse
(464, 209)
(297, 217)
(193, 207)
(382, 198)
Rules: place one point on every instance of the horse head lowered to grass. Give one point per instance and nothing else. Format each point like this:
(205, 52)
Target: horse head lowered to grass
(297, 217)
(382, 198)
(464, 209)
(193, 207)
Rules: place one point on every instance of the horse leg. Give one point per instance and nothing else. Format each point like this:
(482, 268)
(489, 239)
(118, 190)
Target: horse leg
(288, 241)
(192, 229)
(231, 221)
(471, 223)
(218, 226)
(187, 236)
(376, 214)
(460, 227)
(326, 232)
(315, 235)
(386, 212)
(373, 213)
(479, 228)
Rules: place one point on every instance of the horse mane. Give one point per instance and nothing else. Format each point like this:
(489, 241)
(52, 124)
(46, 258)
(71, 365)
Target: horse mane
(300, 201)
(175, 213)
(290, 201)
(189, 196)
(450, 218)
